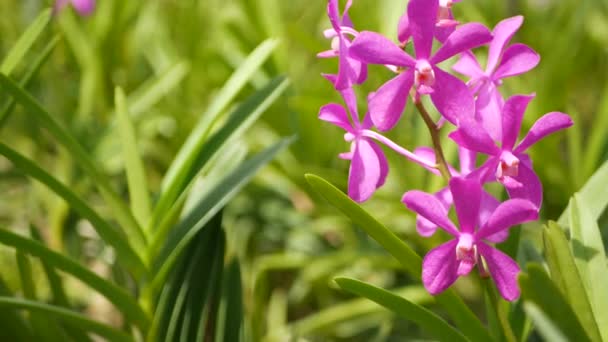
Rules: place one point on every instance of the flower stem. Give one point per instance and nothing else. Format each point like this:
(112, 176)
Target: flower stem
(442, 165)
(402, 151)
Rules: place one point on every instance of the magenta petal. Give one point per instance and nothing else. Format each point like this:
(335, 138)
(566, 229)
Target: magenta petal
(430, 208)
(427, 228)
(464, 38)
(489, 107)
(374, 48)
(486, 209)
(382, 163)
(347, 68)
(503, 270)
(335, 114)
(466, 194)
(422, 16)
(439, 267)
(452, 97)
(531, 188)
(503, 32)
(467, 160)
(428, 154)
(468, 65)
(472, 136)
(547, 124)
(84, 7)
(333, 12)
(387, 104)
(512, 114)
(516, 60)
(365, 171)
(509, 214)
(403, 29)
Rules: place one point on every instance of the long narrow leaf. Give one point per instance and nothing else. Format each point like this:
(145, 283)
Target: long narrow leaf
(423, 317)
(103, 228)
(25, 42)
(544, 325)
(591, 195)
(228, 327)
(136, 177)
(123, 215)
(13, 326)
(67, 316)
(116, 295)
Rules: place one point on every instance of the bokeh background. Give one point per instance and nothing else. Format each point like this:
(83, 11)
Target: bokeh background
(289, 241)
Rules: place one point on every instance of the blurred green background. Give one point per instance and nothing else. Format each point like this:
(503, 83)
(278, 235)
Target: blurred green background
(289, 241)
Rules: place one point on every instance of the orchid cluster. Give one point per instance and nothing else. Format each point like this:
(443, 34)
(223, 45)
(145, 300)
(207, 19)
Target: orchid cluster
(483, 123)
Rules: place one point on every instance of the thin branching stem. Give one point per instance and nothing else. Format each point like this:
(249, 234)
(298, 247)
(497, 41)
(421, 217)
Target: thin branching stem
(442, 165)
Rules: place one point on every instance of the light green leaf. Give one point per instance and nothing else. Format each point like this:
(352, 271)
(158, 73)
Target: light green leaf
(116, 295)
(464, 318)
(423, 317)
(546, 328)
(565, 274)
(111, 236)
(25, 42)
(122, 213)
(67, 316)
(592, 196)
(590, 258)
(537, 288)
(134, 165)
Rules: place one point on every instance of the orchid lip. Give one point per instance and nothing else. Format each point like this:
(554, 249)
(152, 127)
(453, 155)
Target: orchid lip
(508, 165)
(424, 74)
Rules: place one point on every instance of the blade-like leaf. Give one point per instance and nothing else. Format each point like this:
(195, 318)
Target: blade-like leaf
(116, 295)
(206, 208)
(66, 316)
(423, 317)
(537, 287)
(25, 42)
(592, 196)
(136, 177)
(565, 274)
(230, 315)
(111, 236)
(122, 213)
(464, 318)
(12, 325)
(590, 258)
(188, 166)
(546, 328)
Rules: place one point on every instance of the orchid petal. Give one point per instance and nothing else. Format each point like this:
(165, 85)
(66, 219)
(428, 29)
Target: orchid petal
(508, 214)
(427, 228)
(489, 107)
(512, 114)
(439, 267)
(503, 32)
(516, 60)
(428, 154)
(382, 162)
(531, 188)
(84, 7)
(503, 270)
(386, 106)
(486, 209)
(364, 174)
(464, 38)
(467, 160)
(430, 208)
(451, 97)
(403, 29)
(466, 194)
(374, 48)
(333, 12)
(335, 114)
(347, 68)
(422, 16)
(472, 136)
(547, 124)
(468, 65)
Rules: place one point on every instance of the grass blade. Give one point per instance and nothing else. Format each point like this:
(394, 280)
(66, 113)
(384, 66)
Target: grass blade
(122, 213)
(111, 236)
(25, 42)
(230, 315)
(425, 318)
(67, 316)
(116, 295)
(12, 325)
(136, 177)
(591, 195)
(546, 328)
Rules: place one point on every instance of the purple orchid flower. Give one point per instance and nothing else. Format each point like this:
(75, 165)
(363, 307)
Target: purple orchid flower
(83, 7)
(503, 62)
(457, 257)
(444, 26)
(449, 94)
(508, 163)
(350, 71)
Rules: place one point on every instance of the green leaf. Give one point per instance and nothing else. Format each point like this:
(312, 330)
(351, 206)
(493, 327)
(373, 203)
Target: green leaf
(537, 287)
(546, 328)
(592, 196)
(111, 236)
(459, 312)
(423, 317)
(122, 213)
(565, 274)
(183, 169)
(205, 208)
(116, 295)
(230, 313)
(590, 258)
(25, 42)
(134, 165)
(12, 325)
(66, 316)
